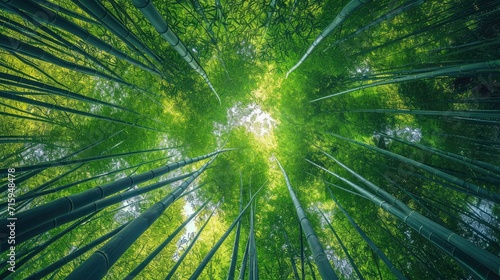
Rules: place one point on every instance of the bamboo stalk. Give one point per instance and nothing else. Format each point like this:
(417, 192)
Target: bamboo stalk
(217, 245)
(324, 266)
(98, 264)
(472, 188)
(153, 16)
(186, 251)
(160, 247)
(350, 8)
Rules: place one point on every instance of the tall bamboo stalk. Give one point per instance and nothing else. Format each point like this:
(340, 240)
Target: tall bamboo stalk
(244, 261)
(94, 207)
(15, 45)
(97, 10)
(346, 252)
(470, 69)
(68, 258)
(25, 100)
(324, 266)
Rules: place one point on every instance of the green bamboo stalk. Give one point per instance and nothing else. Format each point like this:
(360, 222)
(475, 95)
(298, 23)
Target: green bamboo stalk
(414, 198)
(26, 31)
(18, 151)
(459, 18)
(153, 16)
(68, 258)
(475, 232)
(472, 188)
(372, 186)
(346, 252)
(456, 158)
(45, 185)
(29, 219)
(350, 8)
(35, 39)
(313, 274)
(38, 193)
(271, 10)
(214, 249)
(208, 27)
(23, 139)
(98, 264)
(193, 190)
(492, 65)
(370, 243)
(35, 66)
(410, 248)
(93, 208)
(160, 247)
(470, 139)
(234, 255)
(253, 271)
(50, 182)
(186, 251)
(302, 268)
(65, 11)
(433, 202)
(48, 16)
(70, 110)
(62, 162)
(39, 248)
(324, 267)
(489, 114)
(35, 117)
(37, 171)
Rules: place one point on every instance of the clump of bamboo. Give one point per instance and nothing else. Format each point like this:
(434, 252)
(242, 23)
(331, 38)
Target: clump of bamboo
(324, 266)
(161, 26)
(339, 19)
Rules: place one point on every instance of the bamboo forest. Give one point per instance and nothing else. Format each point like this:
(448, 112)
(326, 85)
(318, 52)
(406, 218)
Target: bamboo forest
(239, 139)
